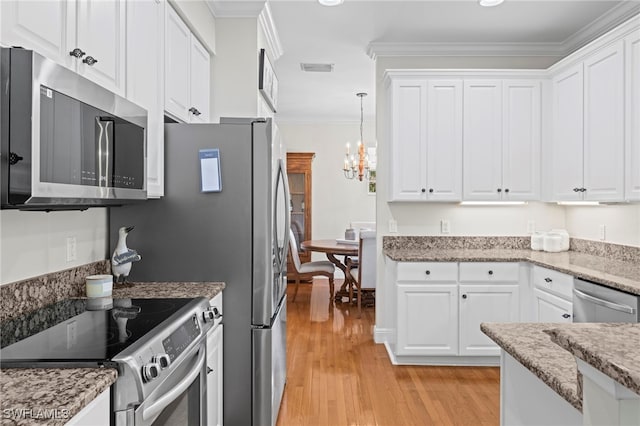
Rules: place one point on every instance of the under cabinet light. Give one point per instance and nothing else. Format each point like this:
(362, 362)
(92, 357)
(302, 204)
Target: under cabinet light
(332, 2)
(490, 3)
(578, 203)
(492, 203)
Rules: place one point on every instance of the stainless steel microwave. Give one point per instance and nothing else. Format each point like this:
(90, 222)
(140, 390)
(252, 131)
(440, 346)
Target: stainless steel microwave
(66, 142)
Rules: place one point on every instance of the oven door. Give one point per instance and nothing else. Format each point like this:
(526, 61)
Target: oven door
(180, 399)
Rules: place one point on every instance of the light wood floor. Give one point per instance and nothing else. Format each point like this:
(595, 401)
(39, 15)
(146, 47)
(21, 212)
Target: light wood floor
(338, 376)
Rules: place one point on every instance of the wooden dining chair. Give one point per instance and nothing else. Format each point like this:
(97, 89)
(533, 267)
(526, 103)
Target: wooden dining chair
(363, 272)
(308, 270)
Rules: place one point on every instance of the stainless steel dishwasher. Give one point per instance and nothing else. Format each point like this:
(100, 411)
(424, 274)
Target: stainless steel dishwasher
(597, 303)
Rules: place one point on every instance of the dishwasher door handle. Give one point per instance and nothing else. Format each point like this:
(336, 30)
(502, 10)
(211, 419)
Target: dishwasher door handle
(602, 302)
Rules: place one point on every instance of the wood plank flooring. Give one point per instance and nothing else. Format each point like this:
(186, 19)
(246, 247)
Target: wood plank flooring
(338, 376)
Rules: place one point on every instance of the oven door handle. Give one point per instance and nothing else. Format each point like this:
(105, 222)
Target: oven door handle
(170, 396)
(605, 303)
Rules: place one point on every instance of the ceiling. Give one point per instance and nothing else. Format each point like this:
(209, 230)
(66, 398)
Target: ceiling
(350, 35)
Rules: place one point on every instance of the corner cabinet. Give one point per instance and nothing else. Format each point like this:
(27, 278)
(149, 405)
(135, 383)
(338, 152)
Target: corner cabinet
(299, 172)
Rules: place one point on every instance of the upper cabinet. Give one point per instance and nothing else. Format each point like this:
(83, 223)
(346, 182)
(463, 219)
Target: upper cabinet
(187, 72)
(632, 103)
(145, 80)
(86, 36)
(426, 134)
(588, 130)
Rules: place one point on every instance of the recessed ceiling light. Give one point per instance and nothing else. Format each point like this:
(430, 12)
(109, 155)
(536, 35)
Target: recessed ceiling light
(331, 2)
(316, 67)
(489, 3)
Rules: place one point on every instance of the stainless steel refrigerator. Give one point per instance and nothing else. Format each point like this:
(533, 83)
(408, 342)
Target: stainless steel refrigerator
(238, 235)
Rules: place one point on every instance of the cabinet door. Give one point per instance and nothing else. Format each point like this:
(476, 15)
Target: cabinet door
(214, 377)
(444, 140)
(632, 90)
(604, 124)
(481, 303)
(521, 145)
(177, 68)
(482, 167)
(48, 27)
(408, 140)
(427, 319)
(550, 308)
(145, 80)
(567, 152)
(200, 78)
(101, 34)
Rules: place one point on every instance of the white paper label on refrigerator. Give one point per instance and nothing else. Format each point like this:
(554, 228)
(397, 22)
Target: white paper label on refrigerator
(210, 170)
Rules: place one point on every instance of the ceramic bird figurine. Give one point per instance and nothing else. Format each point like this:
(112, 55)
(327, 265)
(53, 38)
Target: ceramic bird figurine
(123, 257)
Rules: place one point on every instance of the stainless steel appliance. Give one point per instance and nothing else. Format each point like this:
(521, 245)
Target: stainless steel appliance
(238, 235)
(157, 345)
(597, 303)
(66, 142)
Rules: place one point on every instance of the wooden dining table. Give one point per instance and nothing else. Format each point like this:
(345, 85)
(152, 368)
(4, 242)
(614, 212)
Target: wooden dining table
(332, 248)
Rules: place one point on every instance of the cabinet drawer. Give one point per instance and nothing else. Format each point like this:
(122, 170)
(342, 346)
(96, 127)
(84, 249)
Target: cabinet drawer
(553, 282)
(489, 272)
(428, 271)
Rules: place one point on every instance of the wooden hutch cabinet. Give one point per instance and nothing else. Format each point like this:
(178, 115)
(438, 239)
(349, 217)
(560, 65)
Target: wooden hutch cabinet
(299, 172)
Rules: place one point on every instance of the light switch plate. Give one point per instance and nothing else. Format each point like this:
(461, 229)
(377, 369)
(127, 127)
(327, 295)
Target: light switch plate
(393, 225)
(603, 232)
(71, 249)
(445, 226)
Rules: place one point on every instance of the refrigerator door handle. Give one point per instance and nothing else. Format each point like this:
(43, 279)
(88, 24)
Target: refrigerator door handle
(281, 254)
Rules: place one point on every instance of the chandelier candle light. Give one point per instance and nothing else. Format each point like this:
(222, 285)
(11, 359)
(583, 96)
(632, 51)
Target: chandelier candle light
(357, 166)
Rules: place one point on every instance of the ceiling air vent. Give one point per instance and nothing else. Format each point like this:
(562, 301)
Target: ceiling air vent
(316, 67)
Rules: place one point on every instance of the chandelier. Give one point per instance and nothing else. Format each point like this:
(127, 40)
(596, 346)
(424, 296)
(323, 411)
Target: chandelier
(357, 166)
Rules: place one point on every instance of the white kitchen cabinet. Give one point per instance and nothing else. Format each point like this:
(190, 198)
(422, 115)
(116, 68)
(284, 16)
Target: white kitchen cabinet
(96, 413)
(502, 127)
(632, 103)
(57, 28)
(550, 308)
(187, 72)
(426, 148)
(214, 376)
(604, 124)
(588, 132)
(145, 80)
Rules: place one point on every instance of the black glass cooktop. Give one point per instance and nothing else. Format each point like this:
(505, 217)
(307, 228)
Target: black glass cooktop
(71, 332)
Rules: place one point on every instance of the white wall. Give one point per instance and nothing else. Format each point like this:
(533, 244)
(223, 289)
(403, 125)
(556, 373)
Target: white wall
(336, 201)
(34, 243)
(622, 223)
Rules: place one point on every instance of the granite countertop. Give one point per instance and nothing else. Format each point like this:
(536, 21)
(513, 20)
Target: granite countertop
(40, 389)
(618, 274)
(49, 396)
(613, 349)
(533, 348)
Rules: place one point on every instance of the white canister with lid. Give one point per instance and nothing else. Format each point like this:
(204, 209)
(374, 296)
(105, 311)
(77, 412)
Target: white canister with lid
(537, 241)
(552, 242)
(99, 285)
(565, 238)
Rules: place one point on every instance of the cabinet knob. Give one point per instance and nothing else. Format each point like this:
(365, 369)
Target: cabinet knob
(464, 296)
(77, 53)
(194, 111)
(548, 279)
(90, 60)
(583, 189)
(506, 190)
(209, 370)
(490, 272)
(427, 272)
(431, 190)
(423, 190)
(566, 316)
(576, 189)
(499, 190)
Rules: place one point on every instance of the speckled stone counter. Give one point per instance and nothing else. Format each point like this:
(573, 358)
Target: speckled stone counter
(613, 349)
(166, 290)
(605, 270)
(49, 396)
(533, 348)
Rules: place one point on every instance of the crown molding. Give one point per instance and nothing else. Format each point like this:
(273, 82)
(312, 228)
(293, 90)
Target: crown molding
(379, 48)
(272, 39)
(236, 9)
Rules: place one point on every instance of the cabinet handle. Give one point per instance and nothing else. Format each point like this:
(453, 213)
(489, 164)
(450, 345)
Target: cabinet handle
(576, 189)
(77, 53)
(566, 316)
(490, 272)
(209, 370)
(431, 190)
(499, 189)
(423, 190)
(428, 272)
(583, 189)
(548, 280)
(464, 296)
(90, 60)
(194, 111)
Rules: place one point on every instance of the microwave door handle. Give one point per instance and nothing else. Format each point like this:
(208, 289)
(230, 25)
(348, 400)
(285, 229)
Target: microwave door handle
(615, 306)
(176, 391)
(104, 150)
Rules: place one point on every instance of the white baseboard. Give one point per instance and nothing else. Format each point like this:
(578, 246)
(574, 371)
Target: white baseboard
(382, 335)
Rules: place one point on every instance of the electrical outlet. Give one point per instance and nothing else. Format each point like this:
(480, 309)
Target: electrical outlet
(71, 249)
(445, 226)
(531, 227)
(72, 334)
(393, 225)
(603, 232)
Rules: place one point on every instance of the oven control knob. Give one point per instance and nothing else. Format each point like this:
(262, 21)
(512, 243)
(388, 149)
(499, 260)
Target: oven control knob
(162, 360)
(150, 371)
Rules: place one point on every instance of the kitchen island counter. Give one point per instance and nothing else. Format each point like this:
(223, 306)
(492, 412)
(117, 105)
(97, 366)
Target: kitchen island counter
(167, 290)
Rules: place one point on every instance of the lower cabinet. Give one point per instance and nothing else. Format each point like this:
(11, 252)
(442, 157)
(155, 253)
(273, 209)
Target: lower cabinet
(214, 376)
(550, 308)
(96, 413)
